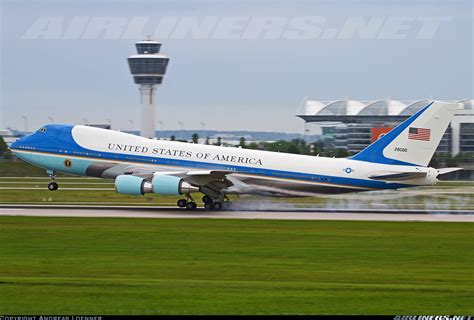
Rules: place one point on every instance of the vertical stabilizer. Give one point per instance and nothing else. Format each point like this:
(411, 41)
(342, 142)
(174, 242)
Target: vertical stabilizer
(414, 141)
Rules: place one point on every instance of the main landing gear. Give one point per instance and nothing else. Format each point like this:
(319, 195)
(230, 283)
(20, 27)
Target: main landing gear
(217, 204)
(187, 203)
(52, 186)
(209, 203)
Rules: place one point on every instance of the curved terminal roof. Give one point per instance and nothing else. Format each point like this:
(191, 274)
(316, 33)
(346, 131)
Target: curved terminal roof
(313, 107)
(466, 104)
(342, 107)
(383, 108)
(386, 107)
(414, 107)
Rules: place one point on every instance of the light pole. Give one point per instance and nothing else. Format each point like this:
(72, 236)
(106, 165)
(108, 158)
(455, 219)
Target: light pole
(26, 122)
(160, 123)
(181, 126)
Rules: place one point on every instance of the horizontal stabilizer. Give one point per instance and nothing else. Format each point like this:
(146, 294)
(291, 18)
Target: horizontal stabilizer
(399, 176)
(447, 170)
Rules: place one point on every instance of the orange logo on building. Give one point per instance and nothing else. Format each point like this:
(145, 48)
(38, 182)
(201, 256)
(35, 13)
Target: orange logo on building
(378, 132)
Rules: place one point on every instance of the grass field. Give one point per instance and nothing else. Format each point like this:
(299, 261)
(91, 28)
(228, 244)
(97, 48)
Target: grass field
(167, 266)
(19, 168)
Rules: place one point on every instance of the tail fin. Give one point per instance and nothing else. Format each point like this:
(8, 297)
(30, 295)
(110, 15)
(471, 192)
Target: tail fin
(414, 141)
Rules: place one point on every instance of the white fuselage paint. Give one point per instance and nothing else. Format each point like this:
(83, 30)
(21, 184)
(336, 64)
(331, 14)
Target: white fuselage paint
(127, 144)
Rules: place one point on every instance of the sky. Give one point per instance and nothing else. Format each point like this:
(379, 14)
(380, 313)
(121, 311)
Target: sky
(235, 65)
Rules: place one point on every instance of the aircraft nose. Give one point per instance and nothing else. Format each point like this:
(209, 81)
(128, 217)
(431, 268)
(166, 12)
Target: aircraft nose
(15, 144)
(18, 143)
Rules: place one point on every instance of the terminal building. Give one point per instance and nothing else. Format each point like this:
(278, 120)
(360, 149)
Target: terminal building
(352, 125)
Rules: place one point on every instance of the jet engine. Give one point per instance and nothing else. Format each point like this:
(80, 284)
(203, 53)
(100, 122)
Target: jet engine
(161, 184)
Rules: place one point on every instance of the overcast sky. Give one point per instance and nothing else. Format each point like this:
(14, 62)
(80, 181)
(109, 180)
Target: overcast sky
(234, 64)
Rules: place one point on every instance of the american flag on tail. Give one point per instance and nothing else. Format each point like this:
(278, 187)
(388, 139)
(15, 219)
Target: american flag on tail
(419, 134)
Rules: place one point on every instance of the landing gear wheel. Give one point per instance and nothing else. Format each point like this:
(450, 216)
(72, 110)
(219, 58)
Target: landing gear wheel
(191, 205)
(181, 203)
(206, 199)
(227, 205)
(208, 206)
(217, 206)
(52, 186)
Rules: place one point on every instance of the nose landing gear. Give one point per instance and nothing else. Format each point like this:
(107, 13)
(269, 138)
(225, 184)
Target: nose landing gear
(52, 186)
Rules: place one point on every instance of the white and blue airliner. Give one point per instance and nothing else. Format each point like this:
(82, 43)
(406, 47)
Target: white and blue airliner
(140, 165)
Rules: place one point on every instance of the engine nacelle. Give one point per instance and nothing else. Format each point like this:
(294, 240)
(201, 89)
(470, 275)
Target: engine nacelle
(128, 184)
(160, 184)
(171, 186)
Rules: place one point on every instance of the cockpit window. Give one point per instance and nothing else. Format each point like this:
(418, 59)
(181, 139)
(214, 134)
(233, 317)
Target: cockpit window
(42, 129)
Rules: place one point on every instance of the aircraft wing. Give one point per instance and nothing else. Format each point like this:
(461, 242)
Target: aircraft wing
(209, 181)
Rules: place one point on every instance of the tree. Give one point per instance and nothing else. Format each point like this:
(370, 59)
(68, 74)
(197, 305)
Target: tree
(318, 147)
(207, 140)
(195, 138)
(219, 141)
(4, 151)
(242, 142)
(341, 153)
(293, 148)
(435, 161)
(464, 158)
(173, 138)
(252, 145)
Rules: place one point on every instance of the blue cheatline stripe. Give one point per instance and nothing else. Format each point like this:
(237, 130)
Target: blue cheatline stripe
(374, 152)
(52, 161)
(371, 184)
(58, 140)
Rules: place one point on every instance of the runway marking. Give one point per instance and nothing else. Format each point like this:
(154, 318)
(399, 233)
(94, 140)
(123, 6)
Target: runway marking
(167, 213)
(149, 206)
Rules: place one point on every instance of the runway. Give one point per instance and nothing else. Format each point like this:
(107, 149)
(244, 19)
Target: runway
(175, 213)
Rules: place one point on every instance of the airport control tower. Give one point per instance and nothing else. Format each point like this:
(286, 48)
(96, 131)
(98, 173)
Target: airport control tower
(148, 68)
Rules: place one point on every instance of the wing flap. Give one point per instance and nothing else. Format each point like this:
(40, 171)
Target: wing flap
(206, 177)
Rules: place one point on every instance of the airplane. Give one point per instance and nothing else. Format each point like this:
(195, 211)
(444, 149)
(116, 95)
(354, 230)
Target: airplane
(139, 165)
